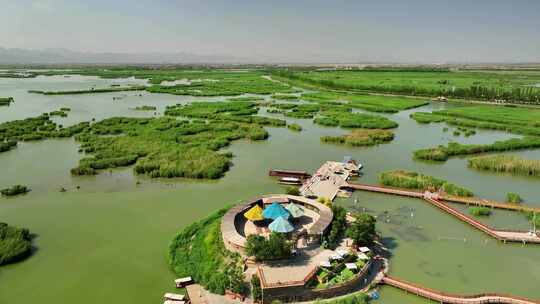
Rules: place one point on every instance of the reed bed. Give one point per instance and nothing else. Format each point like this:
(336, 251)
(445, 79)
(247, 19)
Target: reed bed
(506, 164)
(418, 181)
(361, 137)
(443, 153)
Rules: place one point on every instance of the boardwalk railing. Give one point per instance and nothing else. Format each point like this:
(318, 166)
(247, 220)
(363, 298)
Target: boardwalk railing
(435, 200)
(453, 298)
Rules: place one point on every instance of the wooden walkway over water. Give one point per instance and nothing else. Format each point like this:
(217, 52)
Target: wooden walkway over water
(442, 297)
(475, 201)
(437, 201)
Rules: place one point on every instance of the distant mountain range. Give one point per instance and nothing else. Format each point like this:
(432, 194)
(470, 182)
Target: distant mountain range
(65, 56)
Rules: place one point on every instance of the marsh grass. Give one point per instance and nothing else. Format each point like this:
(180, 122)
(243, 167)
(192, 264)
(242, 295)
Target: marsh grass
(361, 137)
(15, 244)
(418, 181)
(443, 153)
(507, 164)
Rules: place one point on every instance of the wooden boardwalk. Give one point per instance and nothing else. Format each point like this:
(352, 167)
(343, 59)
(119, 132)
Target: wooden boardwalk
(435, 200)
(475, 201)
(442, 297)
(326, 182)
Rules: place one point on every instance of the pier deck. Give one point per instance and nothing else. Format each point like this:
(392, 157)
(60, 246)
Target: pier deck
(327, 181)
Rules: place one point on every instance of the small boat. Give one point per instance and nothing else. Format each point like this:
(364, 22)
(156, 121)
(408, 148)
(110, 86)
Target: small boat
(182, 282)
(174, 297)
(290, 181)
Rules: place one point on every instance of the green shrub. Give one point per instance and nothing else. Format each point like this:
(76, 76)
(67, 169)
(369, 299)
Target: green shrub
(337, 228)
(293, 191)
(275, 248)
(362, 230)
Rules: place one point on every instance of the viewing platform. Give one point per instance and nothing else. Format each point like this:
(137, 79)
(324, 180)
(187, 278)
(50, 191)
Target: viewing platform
(329, 179)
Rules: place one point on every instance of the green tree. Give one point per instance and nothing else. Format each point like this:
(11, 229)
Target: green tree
(362, 230)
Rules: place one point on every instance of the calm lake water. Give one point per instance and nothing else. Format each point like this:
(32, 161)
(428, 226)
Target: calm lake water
(107, 242)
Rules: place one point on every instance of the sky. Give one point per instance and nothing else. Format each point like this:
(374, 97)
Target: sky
(435, 31)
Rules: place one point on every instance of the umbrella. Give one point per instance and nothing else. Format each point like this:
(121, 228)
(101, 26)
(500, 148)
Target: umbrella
(281, 224)
(294, 210)
(254, 214)
(274, 211)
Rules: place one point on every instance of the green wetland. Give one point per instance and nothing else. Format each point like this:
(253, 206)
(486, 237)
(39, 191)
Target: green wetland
(105, 238)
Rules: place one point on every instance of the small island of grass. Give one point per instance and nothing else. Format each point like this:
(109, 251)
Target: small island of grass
(443, 153)
(513, 198)
(480, 211)
(15, 244)
(361, 137)
(6, 101)
(417, 181)
(506, 164)
(15, 190)
(294, 127)
(145, 108)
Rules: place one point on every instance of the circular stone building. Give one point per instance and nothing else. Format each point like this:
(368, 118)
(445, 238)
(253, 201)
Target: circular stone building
(308, 228)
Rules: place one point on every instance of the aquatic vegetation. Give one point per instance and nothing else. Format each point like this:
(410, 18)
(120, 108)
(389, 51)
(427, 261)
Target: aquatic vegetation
(90, 91)
(231, 84)
(443, 153)
(58, 113)
(354, 120)
(513, 198)
(211, 110)
(15, 244)
(361, 137)
(34, 128)
(507, 164)
(373, 103)
(516, 120)
(294, 127)
(245, 98)
(166, 147)
(6, 101)
(418, 181)
(480, 211)
(234, 111)
(7, 145)
(145, 108)
(285, 97)
(15, 190)
(198, 251)
(508, 87)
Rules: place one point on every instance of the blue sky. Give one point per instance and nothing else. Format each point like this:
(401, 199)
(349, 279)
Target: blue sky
(301, 30)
